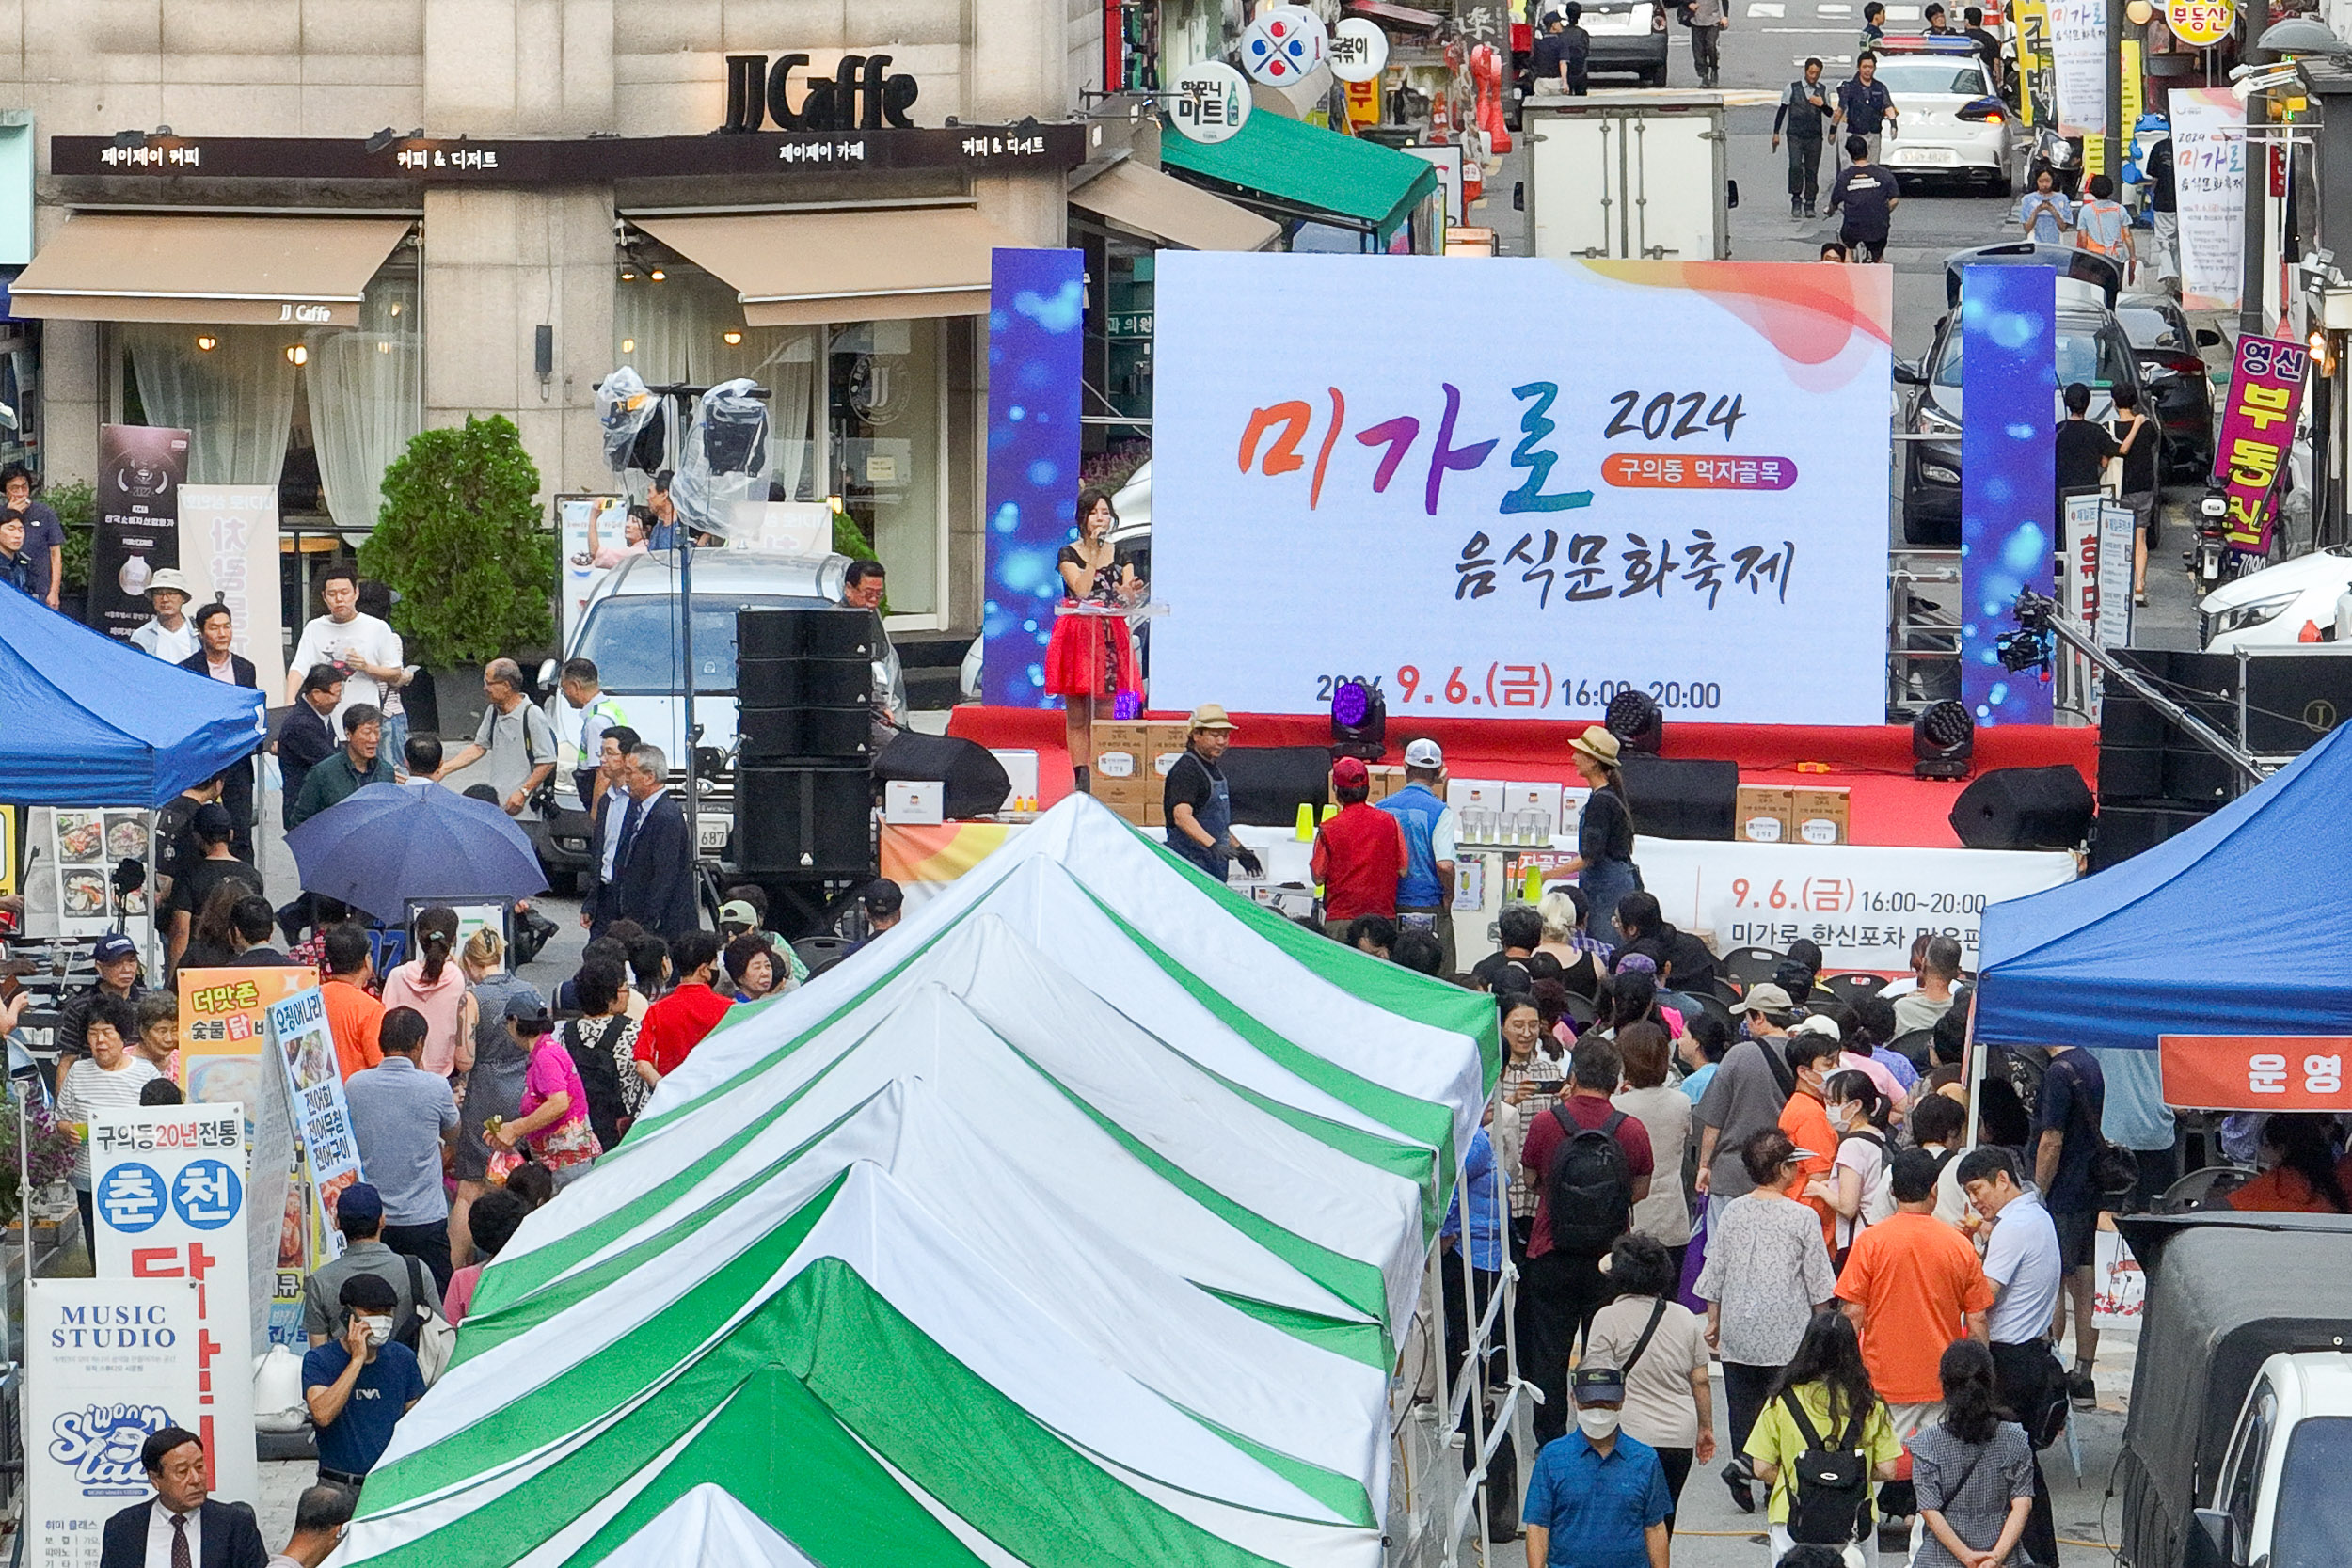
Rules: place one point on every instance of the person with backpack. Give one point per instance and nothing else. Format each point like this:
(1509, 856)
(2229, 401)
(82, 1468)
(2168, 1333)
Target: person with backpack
(1659, 1346)
(1857, 1186)
(1590, 1163)
(1973, 1470)
(1936, 1124)
(1749, 1086)
(1822, 1439)
(1912, 1286)
(1766, 1274)
(2068, 1139)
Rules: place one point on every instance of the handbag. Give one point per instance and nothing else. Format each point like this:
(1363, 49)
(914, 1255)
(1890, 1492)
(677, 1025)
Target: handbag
(433, 1337)
(567, 1144)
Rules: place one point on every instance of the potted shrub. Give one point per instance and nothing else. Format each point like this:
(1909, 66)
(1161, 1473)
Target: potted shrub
(50, 1148)
(459, 540)
(75, 503)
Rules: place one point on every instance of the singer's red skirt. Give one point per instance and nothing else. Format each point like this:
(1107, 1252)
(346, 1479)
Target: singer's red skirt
(1091, 656)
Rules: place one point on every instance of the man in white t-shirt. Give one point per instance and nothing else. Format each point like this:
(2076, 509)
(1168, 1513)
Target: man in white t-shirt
(367, 648)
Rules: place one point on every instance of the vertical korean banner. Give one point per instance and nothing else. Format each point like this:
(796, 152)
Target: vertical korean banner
(1036, 316)
(2008, 478)
(2079, 47)
(167, 1186)
(224, 1059)
(141, 468)
(229, 552)
(305, 1047)
(108, 1363)
(2209, 185)
(2257, 430)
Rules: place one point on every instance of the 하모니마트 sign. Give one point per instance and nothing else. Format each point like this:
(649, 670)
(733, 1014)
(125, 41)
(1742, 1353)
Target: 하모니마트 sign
(2255, 1072)
(1675, 499)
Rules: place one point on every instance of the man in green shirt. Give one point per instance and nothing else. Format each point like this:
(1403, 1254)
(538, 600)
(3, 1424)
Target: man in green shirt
(341, 774)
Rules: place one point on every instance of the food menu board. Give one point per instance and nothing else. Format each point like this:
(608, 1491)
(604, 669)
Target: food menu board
(79, 853)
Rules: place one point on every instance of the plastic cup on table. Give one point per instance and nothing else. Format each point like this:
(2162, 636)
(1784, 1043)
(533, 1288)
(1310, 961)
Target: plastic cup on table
(1305, 832)
(1331, 810)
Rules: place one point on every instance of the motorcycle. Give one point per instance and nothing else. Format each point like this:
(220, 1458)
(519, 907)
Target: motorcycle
(2210, 557)
(2061, 156)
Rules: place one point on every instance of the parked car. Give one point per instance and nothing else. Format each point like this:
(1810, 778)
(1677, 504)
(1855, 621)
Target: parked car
(630, 627)
(2173, 371)
(2090, 347)
(1628, 37)
(1949, 122)
(2270, 608)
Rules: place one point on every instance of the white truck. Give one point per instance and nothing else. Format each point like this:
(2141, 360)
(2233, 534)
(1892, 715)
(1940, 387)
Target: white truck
(1638, 177)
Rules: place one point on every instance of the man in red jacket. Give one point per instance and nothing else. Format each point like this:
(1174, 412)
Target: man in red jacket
(1358, 854)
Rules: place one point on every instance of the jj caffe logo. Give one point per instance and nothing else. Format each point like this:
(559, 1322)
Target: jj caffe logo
(861, 95)
(306, 312)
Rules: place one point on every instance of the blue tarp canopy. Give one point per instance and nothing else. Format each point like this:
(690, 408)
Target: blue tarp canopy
(87, 720)
(2238, 927)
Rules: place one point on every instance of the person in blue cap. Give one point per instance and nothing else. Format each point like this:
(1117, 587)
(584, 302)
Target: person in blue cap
(1597, 1498)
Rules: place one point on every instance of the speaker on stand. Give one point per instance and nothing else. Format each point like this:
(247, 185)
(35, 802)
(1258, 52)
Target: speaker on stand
(805, 823)
(2023, 808)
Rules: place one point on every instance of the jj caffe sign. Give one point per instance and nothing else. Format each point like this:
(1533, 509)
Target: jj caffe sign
(861, 94)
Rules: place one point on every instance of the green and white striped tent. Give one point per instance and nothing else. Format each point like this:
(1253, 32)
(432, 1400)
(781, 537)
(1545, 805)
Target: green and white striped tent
(1076, 1222)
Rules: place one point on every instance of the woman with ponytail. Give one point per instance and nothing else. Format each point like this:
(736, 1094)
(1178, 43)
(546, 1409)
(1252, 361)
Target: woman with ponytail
(435, 987)
(1973, 1470)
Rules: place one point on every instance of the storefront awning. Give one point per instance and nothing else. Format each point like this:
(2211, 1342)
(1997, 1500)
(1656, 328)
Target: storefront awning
(1306, 165)
(230, 271)
(802, 269)
(1146, 203)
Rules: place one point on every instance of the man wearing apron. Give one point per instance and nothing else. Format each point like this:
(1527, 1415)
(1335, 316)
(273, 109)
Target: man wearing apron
(1200, 807)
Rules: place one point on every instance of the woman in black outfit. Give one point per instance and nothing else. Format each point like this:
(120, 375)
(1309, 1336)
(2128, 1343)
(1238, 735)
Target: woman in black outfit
(1604, 836)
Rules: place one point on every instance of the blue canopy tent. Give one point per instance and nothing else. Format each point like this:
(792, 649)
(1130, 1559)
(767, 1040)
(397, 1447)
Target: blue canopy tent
(92, 721)
(2238, 927)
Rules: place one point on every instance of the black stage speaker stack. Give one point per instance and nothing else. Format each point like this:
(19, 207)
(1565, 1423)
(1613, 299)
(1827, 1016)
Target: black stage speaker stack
(2023, 808)
(804, 772)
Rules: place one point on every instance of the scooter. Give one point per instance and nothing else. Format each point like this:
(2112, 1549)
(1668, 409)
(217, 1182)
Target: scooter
(2211, 558)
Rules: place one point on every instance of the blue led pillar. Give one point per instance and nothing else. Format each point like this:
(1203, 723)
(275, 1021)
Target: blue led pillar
(1036, 319)
(2007, 478)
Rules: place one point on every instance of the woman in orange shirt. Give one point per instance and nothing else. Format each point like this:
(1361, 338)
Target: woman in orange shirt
(2300, 1170)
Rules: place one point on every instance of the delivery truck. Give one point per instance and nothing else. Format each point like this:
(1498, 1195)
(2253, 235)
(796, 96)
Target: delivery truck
(1629, 177)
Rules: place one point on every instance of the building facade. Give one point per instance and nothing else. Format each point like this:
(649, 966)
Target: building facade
(306, 230)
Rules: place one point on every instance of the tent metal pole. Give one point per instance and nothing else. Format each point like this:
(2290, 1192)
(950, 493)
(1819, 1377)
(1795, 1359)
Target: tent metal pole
(1975, 1056)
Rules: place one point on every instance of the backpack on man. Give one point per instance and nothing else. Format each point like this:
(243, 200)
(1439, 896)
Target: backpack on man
(1589, 1187)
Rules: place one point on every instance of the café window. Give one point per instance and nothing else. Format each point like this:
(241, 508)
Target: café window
(856, 409)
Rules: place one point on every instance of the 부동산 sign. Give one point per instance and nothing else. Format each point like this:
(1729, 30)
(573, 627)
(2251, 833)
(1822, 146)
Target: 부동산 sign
(1678, 492)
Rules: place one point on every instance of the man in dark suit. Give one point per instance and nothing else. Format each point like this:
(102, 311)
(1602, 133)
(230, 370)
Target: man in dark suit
(215, 629)
(654, 875)
(306, 738)
(181, 1526)
(604, 836)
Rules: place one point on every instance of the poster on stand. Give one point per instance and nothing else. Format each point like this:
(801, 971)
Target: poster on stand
(305, 1048)
(80, 850)
(224, 1033)
(168, 1190)
(2209, 186)
(140, 470)
(229, 552)
(108, 1363)
(1676, 498)
(2078, 45)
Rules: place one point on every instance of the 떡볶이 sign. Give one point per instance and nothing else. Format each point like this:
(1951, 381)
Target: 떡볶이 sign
(306, 1046)
(2255, 1072)
(1678, 498)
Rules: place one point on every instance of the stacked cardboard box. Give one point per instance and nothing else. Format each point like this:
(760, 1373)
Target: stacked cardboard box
(1765, 814)
(1822, 815)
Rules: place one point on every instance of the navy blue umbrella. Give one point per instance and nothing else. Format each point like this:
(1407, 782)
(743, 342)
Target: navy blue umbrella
(389, 845)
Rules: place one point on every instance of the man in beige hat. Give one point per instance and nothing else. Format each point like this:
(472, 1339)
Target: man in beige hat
(169, 634)
(1200, 807)
(1604, 865)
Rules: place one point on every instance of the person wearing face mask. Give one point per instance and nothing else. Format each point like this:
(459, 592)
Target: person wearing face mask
(1805, 1119)
(359, 1383)
(1856, 1188)
(1598, 1497)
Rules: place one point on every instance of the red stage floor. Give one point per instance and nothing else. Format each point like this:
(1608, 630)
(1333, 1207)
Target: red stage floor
(1888, 806)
